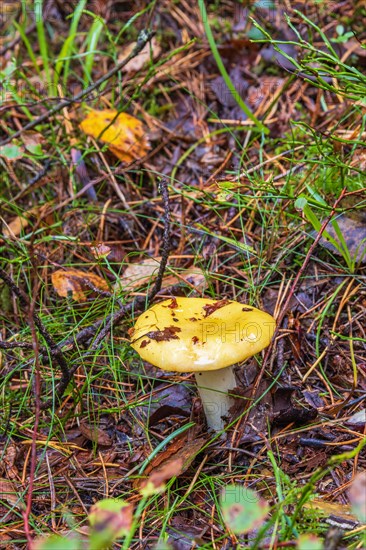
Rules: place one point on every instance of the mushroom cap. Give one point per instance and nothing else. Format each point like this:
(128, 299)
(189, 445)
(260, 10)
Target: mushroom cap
(198, 334)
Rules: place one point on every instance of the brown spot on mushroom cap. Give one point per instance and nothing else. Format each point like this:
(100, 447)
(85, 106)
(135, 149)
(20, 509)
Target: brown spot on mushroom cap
(144, 343)
(195, 339)
(173, 304)
(247, 309)
(211, 308)
(168, 333)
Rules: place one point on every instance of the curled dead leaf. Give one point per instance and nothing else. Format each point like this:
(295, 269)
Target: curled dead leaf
(9, 455)
(100, 251)
(78, 283)
(33, 141)
(156, 480)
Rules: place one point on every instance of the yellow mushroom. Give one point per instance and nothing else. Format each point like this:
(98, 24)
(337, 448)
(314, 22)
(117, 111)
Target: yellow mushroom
(206, 337)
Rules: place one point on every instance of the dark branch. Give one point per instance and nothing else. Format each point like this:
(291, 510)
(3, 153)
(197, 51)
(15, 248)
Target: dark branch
(15, 345)
(163, 188)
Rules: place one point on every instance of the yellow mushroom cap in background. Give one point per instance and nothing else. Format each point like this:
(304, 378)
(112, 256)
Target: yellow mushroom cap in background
(199, 334)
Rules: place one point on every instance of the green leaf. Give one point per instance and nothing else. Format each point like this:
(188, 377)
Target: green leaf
(11, 152)
(35, 149)
(255, 34)
(227, 185)
(242, 509)
(91, 43)
(300, 203)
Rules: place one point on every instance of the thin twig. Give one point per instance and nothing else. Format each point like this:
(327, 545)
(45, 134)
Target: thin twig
(143, 38)
(163, 188)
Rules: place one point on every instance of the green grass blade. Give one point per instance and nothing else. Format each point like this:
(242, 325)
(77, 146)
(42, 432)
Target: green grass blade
(223, 71)
(43, 48)
(63, 61)
(92, 41)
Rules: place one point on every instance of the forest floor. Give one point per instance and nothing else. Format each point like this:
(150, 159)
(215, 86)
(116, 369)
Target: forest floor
(251, 116)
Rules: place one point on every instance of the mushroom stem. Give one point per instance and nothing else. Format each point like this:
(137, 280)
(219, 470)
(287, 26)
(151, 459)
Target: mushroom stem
(213, 387)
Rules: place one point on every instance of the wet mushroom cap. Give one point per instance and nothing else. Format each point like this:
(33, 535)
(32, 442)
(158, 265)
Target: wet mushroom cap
(196, 334)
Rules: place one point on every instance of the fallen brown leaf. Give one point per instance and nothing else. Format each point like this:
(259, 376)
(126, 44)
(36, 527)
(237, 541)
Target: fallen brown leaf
(9, 493)
(172, 462)
(9, 455)
(138, 274)
(141, 273)
(193, 276)
(32, 139)
(172, 468)
(15, 226)
(172, 400)
(95, 434)
(78, 283)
